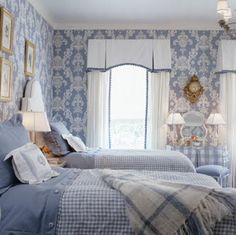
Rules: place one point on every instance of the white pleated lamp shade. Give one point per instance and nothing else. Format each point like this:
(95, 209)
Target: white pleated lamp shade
(36, 121)
(228, 14)
(175, 119)
(222, 6)
(215, 119)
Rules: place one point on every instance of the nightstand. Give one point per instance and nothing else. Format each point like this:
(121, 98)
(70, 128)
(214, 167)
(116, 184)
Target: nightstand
(55, 161)
(60, 164)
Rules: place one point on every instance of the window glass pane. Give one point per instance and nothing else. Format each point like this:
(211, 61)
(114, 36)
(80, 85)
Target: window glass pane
(128, 103)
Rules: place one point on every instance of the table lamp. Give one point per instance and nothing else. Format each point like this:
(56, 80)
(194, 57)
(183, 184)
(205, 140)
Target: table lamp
(215, 119)
(35, 122)
(175, 119)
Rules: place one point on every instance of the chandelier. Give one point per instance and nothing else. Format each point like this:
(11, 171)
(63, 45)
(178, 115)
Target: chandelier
(225, 11)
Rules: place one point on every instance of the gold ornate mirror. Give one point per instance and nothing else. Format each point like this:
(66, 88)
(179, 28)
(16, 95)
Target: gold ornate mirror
(193, 90)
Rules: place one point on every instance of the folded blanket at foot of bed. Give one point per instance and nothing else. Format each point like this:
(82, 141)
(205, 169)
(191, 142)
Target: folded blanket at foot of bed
(161, 207)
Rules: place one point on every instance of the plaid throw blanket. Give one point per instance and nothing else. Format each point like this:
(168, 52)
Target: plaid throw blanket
(158, 207)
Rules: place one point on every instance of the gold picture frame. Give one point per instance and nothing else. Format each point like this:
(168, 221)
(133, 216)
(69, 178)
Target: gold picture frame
(193, 90)
(6, 74)
(6, 30)
(30, 58)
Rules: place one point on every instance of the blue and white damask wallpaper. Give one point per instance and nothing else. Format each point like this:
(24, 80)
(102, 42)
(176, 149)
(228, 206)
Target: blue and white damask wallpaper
(28, 25)
(61, 57)
(193, 52)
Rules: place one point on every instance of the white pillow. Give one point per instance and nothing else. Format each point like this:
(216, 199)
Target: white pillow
(30, 165)
(75, 142)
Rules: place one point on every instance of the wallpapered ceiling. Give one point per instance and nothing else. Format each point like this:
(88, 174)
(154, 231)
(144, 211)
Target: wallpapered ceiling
(193, 52)
(28, 25)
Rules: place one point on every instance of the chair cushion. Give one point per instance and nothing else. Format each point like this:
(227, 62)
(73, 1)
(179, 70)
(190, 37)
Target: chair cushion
(213, 170)
(54, 139)
(12, 135)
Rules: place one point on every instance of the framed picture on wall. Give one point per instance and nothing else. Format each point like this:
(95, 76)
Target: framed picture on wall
(29, 58)
(6, 73)
(6, 30)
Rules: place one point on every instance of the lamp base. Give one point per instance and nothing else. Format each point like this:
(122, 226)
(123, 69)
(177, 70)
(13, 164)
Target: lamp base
(32, 136)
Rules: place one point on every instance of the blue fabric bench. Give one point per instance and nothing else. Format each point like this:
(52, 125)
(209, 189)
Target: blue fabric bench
(219, 173)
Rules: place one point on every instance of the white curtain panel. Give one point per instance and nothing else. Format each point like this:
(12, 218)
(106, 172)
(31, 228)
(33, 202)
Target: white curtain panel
(226, 56)
(158, 109)
(97, 124)
(228, 110)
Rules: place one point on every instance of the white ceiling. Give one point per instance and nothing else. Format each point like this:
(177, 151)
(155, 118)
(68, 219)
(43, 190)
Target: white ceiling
(158, 14)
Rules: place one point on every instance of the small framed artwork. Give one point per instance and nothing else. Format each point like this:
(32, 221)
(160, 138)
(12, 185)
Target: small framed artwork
(6, 72)
(29, 58)
(6, 30)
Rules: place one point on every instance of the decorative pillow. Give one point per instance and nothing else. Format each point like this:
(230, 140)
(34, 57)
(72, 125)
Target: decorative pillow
(54, 139)
(12, 135)
(30, 165)
(75, 142)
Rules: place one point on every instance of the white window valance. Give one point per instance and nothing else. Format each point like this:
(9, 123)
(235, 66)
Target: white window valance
(226, 58)
(155, 55)
(137, 52)
(96, 54)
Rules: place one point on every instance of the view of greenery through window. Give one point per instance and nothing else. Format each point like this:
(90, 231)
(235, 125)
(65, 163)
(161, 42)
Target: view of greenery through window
(128, 104)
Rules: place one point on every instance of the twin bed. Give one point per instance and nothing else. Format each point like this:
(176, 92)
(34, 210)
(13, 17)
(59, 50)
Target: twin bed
(87, 201)
(160, 160)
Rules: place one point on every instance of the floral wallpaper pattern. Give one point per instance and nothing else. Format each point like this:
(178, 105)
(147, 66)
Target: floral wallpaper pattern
(193, 52)
(28, 25)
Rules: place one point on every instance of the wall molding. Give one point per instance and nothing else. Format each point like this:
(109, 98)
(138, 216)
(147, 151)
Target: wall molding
(178, 26)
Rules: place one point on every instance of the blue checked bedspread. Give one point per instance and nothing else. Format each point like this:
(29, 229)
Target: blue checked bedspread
(160, 160)
(90, 207)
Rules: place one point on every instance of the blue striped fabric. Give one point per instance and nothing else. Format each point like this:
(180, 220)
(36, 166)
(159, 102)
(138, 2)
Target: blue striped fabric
(208, 155)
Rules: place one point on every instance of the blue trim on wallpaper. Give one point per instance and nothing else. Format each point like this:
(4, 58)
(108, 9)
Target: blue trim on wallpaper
(109, 109)
(122, 64)
(112, 67)
(160, 70)
(226, 71)
(95, 69)
(146, 111)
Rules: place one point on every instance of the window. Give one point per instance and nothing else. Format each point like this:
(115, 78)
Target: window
(128, 92)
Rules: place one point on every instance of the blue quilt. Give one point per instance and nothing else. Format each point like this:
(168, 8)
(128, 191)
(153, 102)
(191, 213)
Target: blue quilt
(33, 209)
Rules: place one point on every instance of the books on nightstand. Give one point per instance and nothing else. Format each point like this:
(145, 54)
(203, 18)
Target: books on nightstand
(52, 159)
(55, 161)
